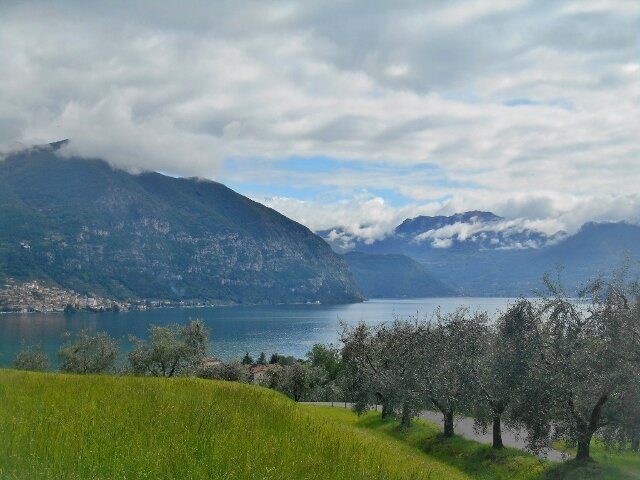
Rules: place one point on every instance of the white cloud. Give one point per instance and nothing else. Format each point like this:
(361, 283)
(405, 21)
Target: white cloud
(527, 108)
(368, 218)
(479, 231)
(442, 242)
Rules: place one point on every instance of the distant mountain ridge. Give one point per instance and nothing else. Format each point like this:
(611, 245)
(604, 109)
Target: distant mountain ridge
(425, 223)
(83, 225)
(394, 276)
(480, 253)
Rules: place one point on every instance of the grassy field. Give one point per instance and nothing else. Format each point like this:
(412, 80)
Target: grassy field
(55, 426)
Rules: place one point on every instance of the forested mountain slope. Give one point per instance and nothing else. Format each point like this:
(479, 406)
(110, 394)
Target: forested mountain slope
(83, 225)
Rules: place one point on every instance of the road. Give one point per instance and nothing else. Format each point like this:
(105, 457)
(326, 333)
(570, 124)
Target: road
(464, 428)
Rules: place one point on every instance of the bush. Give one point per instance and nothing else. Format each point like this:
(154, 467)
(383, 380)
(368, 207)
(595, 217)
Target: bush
(88, 354)
(171, 351)
(32, 359)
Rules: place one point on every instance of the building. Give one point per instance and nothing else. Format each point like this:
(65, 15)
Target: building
(260, 374)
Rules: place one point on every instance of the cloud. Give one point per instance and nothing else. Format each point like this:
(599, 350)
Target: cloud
(527, 108)
(368, 218)
(364, 217)
(518, 233)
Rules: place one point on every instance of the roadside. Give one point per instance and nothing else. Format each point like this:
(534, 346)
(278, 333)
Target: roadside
(464, 428)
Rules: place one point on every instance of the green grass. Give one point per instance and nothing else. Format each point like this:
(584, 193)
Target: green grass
(477, 460)
(607, 464)
(55, 426)
(480, 461)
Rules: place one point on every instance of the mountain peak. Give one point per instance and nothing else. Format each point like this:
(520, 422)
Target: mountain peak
(423, 223)
(58, 144)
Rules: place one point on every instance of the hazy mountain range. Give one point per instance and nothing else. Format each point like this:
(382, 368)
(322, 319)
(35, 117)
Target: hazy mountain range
(394, 276)
(83, 225)
(480, 253)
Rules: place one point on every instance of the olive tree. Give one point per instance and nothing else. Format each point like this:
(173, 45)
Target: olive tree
(298, 381)
(400, 342)
(88, 353)
(362, 360)
(170, 351)
(587, 363)
(504, 367)
(381, 360)
(450, 350)
(32, 359)
(624, 431)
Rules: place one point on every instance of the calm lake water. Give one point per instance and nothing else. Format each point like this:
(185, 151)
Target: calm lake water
(286, 329)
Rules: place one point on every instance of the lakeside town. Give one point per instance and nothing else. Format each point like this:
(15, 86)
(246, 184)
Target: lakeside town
(37, 296)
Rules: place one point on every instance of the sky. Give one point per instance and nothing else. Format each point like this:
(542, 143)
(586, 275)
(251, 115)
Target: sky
(351, 114)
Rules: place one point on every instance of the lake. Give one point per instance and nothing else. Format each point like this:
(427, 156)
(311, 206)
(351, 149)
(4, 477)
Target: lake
(286, 329)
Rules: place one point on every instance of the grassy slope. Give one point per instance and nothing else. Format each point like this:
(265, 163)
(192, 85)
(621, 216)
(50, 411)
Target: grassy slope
(72, 427)
(480, 461)
(608, 465)
(79, 427)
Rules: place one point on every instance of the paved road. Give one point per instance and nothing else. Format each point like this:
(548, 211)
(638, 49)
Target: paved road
(464, 428)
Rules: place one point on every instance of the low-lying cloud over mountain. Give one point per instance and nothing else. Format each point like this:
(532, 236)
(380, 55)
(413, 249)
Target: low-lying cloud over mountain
(475, 229)
(498, 234)
(367, 219)
(479, 253)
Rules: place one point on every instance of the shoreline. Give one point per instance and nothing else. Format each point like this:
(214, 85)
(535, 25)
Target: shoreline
(163, 307)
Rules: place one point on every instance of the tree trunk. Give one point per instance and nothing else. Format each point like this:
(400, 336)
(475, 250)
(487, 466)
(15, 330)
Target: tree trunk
(586, 432)
(497, 432)
(385, 411)
(583, 448)
(448, 424)
(406, 416)
(635, 444)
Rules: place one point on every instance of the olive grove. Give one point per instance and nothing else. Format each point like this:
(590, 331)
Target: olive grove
(557, 368)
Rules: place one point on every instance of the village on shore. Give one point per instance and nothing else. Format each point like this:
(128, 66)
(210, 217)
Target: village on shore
(39, 297)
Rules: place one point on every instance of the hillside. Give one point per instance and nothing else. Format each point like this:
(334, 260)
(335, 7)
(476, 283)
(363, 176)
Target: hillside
(394, 276)
(82, 225)
(480, 460)
(77, 427)
(55, 426)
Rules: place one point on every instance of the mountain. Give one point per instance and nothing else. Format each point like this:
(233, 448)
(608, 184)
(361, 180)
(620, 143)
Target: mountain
(424, 223)
(482, 254)
(82, 225)
(394, 276)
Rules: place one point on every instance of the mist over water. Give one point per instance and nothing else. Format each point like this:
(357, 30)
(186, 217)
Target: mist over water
(286, 329)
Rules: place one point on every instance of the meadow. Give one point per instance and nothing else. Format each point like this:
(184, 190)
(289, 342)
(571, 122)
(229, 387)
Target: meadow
(56, 426)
